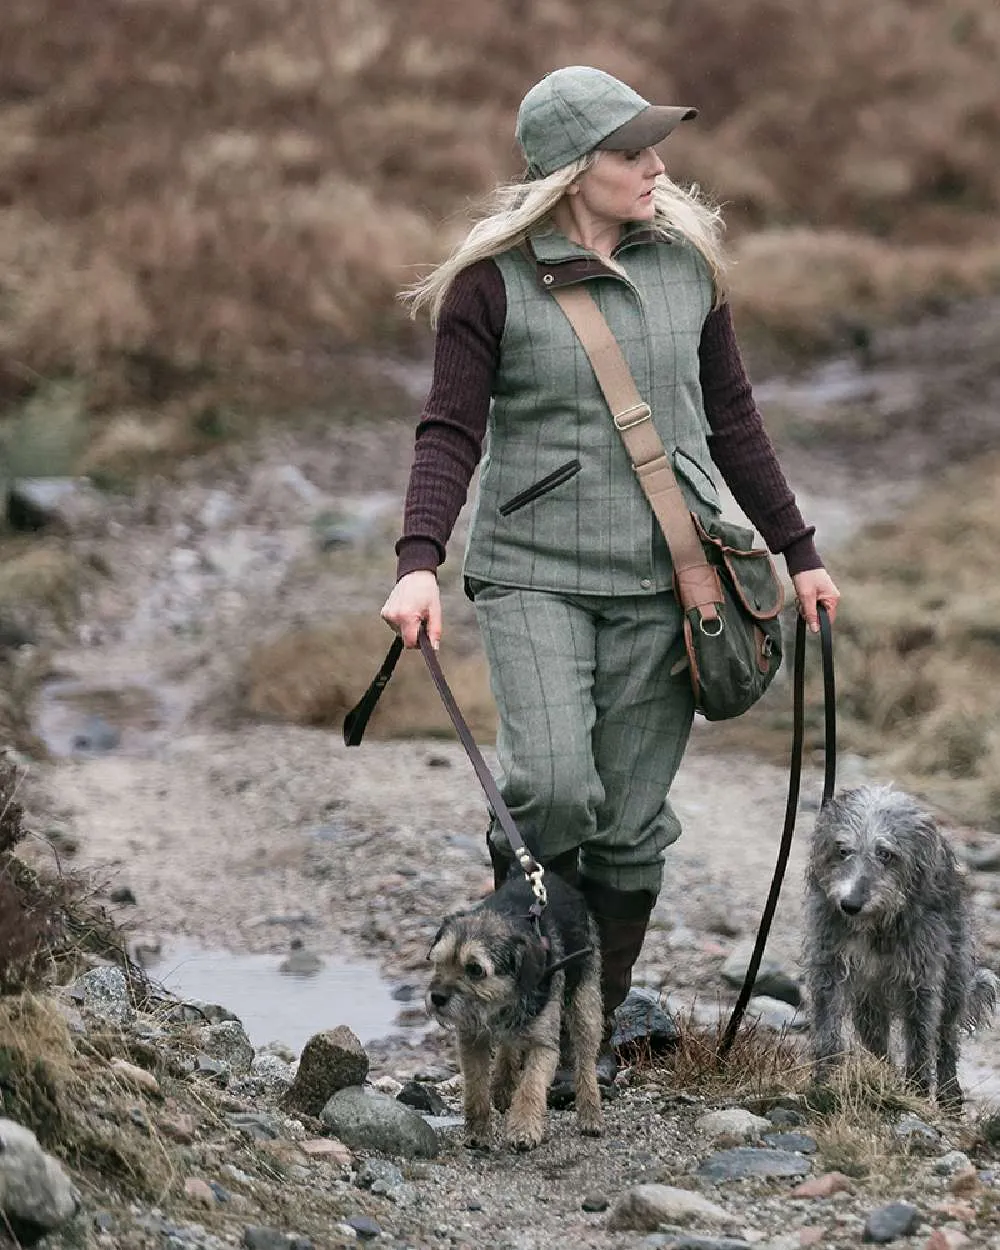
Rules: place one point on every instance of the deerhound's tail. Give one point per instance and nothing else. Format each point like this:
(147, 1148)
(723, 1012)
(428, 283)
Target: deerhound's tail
(984, 994)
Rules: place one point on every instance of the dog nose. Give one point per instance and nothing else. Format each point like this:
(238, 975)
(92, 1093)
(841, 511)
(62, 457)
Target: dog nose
(850, 906)
(439, 998)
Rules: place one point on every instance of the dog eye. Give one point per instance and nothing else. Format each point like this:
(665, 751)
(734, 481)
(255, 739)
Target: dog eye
(884, 855)
(474, 971)
(844, 852)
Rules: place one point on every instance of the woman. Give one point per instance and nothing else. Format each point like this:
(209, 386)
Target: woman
(568, 569)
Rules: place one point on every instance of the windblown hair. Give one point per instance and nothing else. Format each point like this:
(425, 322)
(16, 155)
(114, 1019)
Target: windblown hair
(516, 209)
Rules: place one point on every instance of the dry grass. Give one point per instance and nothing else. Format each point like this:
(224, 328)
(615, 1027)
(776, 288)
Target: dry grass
(218, 198)
(314, 676)
(760, 1064)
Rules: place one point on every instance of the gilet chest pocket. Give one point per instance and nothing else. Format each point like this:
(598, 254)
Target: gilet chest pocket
(542, 487)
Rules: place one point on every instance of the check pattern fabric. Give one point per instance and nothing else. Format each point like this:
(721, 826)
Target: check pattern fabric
(594, 710)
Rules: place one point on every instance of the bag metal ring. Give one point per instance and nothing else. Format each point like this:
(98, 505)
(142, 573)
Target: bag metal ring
(712, 633)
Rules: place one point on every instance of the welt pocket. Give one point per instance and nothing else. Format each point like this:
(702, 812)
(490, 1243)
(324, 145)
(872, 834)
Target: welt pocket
(556, 478)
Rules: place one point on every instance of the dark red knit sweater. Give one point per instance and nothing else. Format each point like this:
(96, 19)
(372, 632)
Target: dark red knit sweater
(453, 423)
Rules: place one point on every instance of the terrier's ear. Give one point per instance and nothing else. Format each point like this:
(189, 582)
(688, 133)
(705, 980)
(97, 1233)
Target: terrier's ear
(529, 962)
(439, 935)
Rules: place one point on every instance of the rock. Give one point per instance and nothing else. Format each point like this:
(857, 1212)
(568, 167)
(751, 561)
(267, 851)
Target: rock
(729, 1165)
(122, 894)
(641, 1019)
(947, 1239)
(916, 1135)
(364, 1226)
(422, 1098)
(199, 1191)
(104, 992)
(771, 979)
(643, 1208)
(97, 736)
(801, 1142)
(786, 1117)
(327, 1148)
(257, 1238)
(300, 962)
(36, 1195)
(332, 1060)
(228, 1043)
(951, 1163)
(269, 1076)
(733, 1122)
(889, 1223)
(595, 1202)
(378, 1172)
(691, 1241)
(776, 1014)
(179, 1128)
(35, 503)
(369, 1121)
(136, 1077)
(824, 1186)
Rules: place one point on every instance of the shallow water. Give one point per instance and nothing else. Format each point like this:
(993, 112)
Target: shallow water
(275, 1006)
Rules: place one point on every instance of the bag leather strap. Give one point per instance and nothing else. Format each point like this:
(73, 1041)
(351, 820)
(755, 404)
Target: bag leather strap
(697, 581)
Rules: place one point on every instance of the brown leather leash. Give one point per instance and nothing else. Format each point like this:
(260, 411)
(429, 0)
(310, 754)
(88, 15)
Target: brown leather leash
(791, 806)
(354, 728)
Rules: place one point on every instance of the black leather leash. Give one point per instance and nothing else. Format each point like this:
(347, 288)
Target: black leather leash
(354, 728)
(791, 807)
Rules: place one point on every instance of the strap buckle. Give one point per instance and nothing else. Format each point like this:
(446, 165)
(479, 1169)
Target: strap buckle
(632, 416)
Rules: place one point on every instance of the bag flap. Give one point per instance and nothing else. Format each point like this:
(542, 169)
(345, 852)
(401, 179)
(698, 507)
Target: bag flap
(751, 569)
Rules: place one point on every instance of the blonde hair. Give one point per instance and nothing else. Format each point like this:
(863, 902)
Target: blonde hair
(515, 209)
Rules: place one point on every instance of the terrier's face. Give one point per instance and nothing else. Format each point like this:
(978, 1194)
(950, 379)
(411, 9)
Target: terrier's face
(481, 966)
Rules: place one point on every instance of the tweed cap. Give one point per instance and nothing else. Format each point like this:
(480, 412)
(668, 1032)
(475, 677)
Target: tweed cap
(574, 110)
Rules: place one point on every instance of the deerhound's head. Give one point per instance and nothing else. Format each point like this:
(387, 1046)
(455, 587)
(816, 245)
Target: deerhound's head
(872, 850)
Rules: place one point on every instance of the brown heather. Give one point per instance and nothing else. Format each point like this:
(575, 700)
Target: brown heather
(218, 198)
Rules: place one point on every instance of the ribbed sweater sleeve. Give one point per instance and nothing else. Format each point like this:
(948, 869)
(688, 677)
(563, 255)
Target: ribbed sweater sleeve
(742, 449)
(452, 425)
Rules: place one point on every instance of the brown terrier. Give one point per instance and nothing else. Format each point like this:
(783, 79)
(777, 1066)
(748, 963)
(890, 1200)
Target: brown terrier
(502, 979)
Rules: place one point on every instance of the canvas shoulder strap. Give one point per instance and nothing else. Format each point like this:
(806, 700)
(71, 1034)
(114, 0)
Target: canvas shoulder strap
(697, 582)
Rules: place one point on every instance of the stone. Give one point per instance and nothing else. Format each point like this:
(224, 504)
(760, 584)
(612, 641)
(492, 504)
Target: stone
(104, 992)
(643, 1208)
(199, 1191)
(179, 1128)
(947, 1239)
(801, 1142)
(771, 980)
(776, 1014)
(951, 1163)
(595, 1202)
(964, 1182)
(373, 1171)
(370, 1121)
(785, 1117)
(331, 1061)
(640, 1020)
(364, 1226)
(258, 1238)
(734, 1122)
(917, 1136)
(422, 1098)
(824, 1186)
(227, 1042)
(889, 1223)
(741, 1161)
(327, 1148)
(136, 1077)
(36, 1194)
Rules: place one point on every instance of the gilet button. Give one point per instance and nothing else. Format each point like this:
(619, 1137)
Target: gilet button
(645, 583)
(548, 279)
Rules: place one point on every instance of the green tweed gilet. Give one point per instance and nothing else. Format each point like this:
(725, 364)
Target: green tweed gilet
(558, 505)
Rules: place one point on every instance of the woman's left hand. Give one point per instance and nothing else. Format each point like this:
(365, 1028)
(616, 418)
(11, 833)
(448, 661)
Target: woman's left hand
(812, 587)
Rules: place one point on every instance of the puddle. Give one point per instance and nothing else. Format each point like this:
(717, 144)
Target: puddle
(274, 1006)
(77, 718)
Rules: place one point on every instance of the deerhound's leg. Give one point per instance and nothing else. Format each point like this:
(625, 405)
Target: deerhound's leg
(921, 1024)
(871, 1019)
(827, 1011)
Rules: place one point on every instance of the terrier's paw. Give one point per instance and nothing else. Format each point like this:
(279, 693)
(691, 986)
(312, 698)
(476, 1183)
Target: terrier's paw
(478, 1137)
(590, 1125)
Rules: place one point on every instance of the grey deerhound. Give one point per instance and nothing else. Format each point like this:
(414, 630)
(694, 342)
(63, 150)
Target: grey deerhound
(889, 937)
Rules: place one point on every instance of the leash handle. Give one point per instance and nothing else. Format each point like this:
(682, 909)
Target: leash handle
(791, 805)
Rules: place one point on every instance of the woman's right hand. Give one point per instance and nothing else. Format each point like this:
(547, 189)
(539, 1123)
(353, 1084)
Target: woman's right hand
(415, 597)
